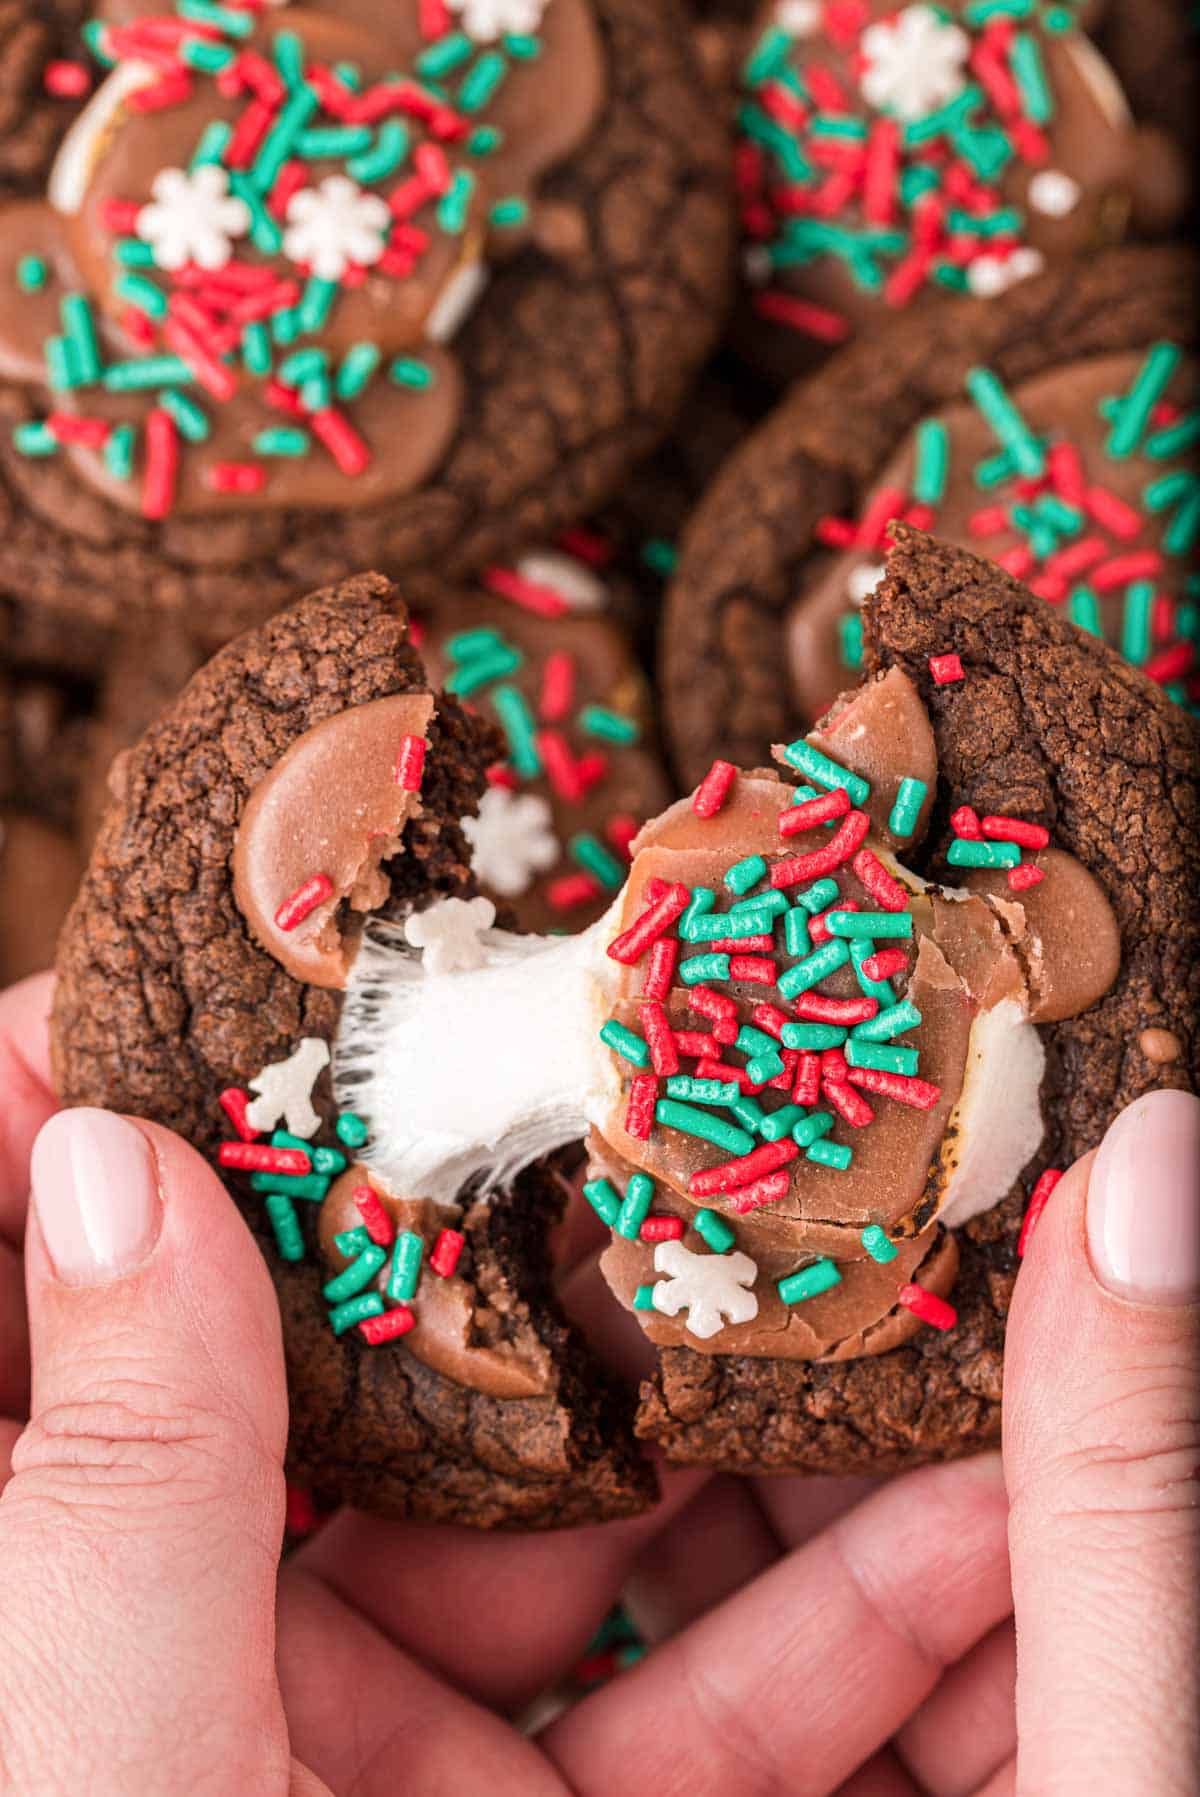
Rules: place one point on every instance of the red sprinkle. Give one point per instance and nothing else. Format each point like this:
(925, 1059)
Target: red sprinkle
(639, 1114)
(378, 1224)
(812, 812)
(661, 1229)
(814, 1007)
(562, 769)
(300, 1515)
(761, 1191)
(819, 322)
(756, 970)
(572, 890)
(706, 1069)
(784, 1081)
(769, 1018)
(162, 464)
(621, 829)
(234, 1102)
(660, 1038)
(888, 894)
(1139, 564)
(558, 686)
(629, 947)
(798, 870)
(410, 763)
(731, 1176)
(1015, 829)
(741, 945)
(260, 1157)
(713, 790)
(818, 927)
(446, 1251)
(807, 1088)
(660, 968)
(66, 80)
(918, 1093)
(1039, 1198)
(965, 823)
(235, 477)
(928, 1306)
(544, 602)
(388, 1326)
(945, 669)
(341, 440)
(694, 1042)
(884, 963)
(848, 1104)
(315, 890)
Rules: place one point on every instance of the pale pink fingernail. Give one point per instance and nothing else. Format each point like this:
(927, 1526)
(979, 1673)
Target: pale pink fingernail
(1143, 1204)
(95, 1193)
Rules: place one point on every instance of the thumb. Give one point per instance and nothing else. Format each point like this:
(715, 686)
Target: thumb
(140, 1531)
(1100, 1452)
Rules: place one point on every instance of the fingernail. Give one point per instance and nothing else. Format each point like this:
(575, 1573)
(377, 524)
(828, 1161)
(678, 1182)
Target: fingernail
(95, 1192)
(1143, 1203)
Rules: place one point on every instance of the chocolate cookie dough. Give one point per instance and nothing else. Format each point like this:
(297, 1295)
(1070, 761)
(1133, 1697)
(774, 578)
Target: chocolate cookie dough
(301, 294)
(494, 1415)
(1082, 380)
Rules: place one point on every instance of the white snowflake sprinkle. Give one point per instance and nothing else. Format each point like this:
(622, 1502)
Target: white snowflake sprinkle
(456, 302)
(573, 583)
(448, 933)
(712, 1288)
(799, 18)
(285, 1090)
(862, 581)
(333, 225)
(512, 840)
(193, 217)
(988, 276)
(1053, 193)
(486, 20)
(914, 63)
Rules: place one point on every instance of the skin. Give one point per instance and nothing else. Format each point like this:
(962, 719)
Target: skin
(812, 1636)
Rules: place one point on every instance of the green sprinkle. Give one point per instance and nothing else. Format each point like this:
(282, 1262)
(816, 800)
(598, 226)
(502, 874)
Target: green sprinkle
(824, 772)
(445, 55)
(1001, 414)
(643, 1298)
(214, 141)
(35, 439)
(316, 303)
(484, 140)
(351, 1242)
(312, 1186)
(796, 938)
(355, 1310)
(136, 290)
(411, 372)
(944, 119)
(702, 901)
(206, 58)
(815, 967)
(598, 861)
(765, 1067)
(768, 905)
(470, 676)
(777, 1124)
(861, 950)
(517, 723)
(609, 726)
(660, 556)
(118, 451)
(886, 1024)
(455, 203)
(639, 1195)
(601, 1194)
(286, 1225)
(302, 365)
(625, 1042)
(466, 643)
(505, 214)
(1175, 438)
(338, 141)
(384, 158)
(350, 1129)
(358, 1274)
(983, 854)
(1083, 608)
(815, 1125)
(809, 1282)
(714, 1230)
(223, 18)
(745, 873)
(149, 371)
(79, 327)
(878, 1244)
(1158, 366)
(285, 325)
(256, 348)
(752, 1041)
(405, 1274)
(755, 124)
(830, 1154)
(282, 440)
(1029, 72)
(910, 796)
(277, 146)
(869, 923)
(850, 638)
(932, 459)
(884, 1060)
(32, 274)
(481, 82)
(190, 418)
(131, 252)
(522, 45)
(1135, 624)
(818, 897)
(324, 1160)
(728, 924)
(692, 1122)
(701, 1091)
(94, 34)
(768, 57)
(1180, 536)
(697, 969)
(289, 57)
(812, 1036)
(748, 1112)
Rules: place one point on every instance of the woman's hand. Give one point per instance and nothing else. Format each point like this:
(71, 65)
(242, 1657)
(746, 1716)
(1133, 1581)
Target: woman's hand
(152, 1642)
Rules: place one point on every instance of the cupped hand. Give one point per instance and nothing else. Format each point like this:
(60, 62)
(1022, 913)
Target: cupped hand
(814, 1639)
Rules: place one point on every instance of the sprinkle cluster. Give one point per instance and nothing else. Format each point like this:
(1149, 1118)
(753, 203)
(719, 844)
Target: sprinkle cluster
(891, 157)
(238, 264)
(762, 1023)
(1072, 540)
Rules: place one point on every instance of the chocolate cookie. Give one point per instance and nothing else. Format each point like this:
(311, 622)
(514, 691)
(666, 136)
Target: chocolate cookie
(761, 624)
(888, 156)
(317, 738)
(305, 294)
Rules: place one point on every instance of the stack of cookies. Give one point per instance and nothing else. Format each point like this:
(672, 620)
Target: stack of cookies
(599, 618)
